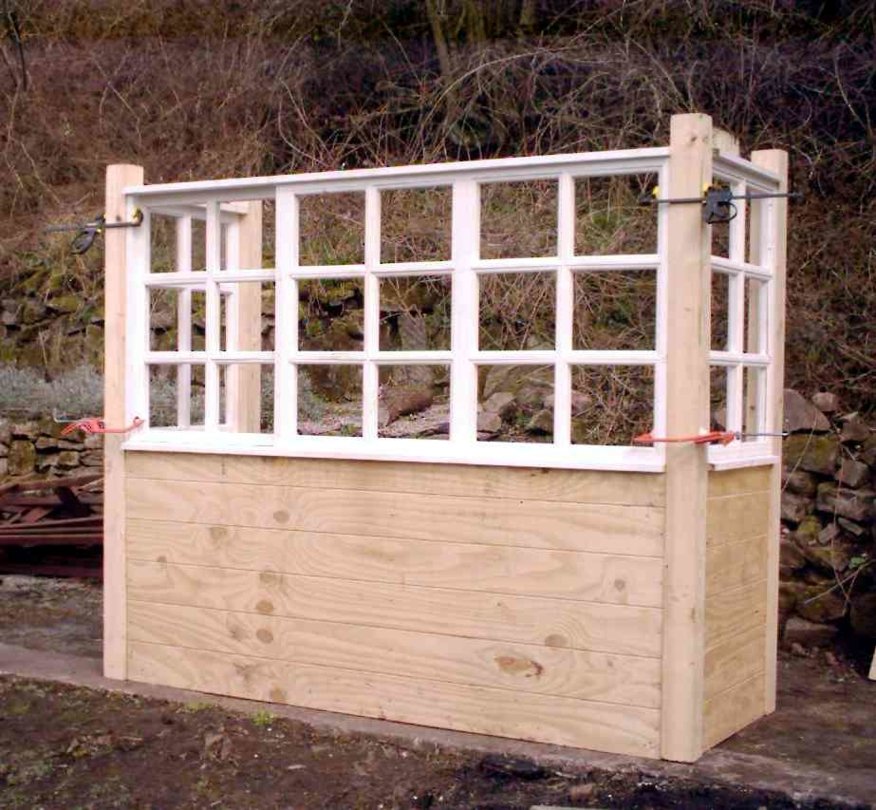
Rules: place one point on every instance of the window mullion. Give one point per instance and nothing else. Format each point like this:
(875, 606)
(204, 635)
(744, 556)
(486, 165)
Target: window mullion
(286, 316)
(371, 329)
(213, 316)
(565, 304)
(184, 322)
(465, 250)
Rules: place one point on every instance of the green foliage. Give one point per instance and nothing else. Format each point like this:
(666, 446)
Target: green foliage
(263, 718)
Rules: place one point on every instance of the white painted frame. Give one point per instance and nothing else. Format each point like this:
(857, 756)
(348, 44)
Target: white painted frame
(203, 200)
(740, 267)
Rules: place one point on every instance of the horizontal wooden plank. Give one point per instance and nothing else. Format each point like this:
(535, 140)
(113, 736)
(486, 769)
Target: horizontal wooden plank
(590, 626)
(737, 517)
(733, 709)
(739, 481)
(731, 565)
(734, 660)
(544, 718)
(577, 486)
(734, 611)
(495, 569)
(522, 667)
(636, 530)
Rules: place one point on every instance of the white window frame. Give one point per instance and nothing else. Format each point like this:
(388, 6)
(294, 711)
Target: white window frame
(743, 177)
(203, 200)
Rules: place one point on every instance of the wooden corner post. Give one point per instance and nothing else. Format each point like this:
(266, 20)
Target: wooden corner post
(245, 325)
(775, 223)
(688, 281)
(115, 268)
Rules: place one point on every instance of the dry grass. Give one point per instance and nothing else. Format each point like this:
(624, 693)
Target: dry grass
(199, 89)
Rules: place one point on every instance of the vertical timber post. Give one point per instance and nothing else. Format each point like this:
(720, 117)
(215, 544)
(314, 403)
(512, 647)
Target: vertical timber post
(115, 652)
(244, 380)
(776, 161)
(687, 413)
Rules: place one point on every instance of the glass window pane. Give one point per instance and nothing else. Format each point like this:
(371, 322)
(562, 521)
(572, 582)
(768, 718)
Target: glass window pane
(516, 403)
(611, 405)
(517, 311)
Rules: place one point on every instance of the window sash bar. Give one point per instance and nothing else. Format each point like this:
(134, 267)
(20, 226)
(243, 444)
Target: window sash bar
(287, 234)
(184, 322)
(464, 312)
(371, 325)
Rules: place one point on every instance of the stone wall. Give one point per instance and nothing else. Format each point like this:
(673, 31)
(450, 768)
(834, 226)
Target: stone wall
(37, 447)
(828, 556)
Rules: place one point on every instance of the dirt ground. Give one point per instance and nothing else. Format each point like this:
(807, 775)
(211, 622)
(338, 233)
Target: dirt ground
(71, 747)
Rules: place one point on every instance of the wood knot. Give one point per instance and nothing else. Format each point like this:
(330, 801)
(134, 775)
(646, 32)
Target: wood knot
(620, 584)
(264, 635)
(264, 606)
(271, 579)
(281, 516)
(278, 695)
(512, 665)
(556, 640)
(218, 533)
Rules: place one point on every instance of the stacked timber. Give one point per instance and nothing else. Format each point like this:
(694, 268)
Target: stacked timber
(52, 526)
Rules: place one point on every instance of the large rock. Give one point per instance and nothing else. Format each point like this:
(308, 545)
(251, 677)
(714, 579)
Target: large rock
(821, 603)
(834, 557)
(404, 400)
(816, 454)
(791, 559)
(808, 634)
(501, 403)
(854, 430)
(25, 430)
(22, 457)
(853, 473)
(800, 483)
(826, 402)
(5, 431)
(802, 416)
(91, 458)
(855, 505)
(489, 422)
(867, 453)
(68, 459)
(795, 507)
(516, 379)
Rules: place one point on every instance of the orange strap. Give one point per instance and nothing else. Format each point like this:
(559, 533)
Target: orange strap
(96, 425)
(715, 437)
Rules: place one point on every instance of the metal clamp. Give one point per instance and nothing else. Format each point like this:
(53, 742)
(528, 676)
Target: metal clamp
(87, 232)
(717, 201)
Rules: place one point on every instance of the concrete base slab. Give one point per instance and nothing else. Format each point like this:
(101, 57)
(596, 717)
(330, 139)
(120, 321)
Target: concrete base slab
(798, 779)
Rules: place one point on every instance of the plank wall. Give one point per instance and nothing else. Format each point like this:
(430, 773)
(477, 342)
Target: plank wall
(518, 602)
(738, 510)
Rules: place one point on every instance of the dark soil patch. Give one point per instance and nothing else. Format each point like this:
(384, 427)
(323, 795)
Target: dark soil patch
(67, 747)
(61, 615)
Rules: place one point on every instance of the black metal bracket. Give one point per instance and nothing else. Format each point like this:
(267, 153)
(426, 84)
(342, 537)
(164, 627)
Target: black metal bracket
(717, 201)
(87, 232)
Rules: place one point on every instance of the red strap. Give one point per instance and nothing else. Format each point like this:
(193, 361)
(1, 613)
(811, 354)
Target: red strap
(715, 437)
(97, 425)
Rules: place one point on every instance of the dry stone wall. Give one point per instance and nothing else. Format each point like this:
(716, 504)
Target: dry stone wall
(828, 542)
(37, 447)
